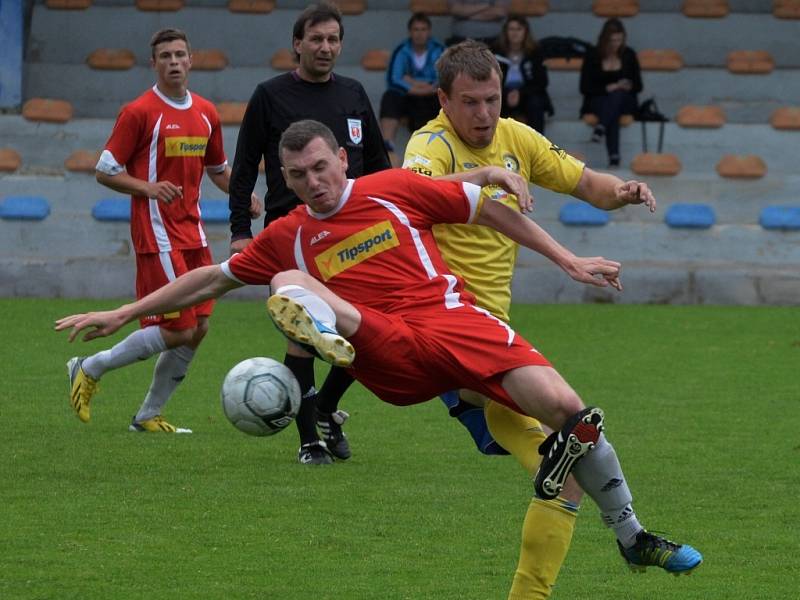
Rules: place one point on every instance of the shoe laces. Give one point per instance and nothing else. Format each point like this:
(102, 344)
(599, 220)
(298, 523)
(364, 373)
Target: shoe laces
(653, 548)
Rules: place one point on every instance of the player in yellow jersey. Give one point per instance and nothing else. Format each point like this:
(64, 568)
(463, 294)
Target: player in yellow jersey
(468, 135)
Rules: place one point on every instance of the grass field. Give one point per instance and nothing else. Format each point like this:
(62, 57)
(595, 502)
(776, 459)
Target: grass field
(701, 404)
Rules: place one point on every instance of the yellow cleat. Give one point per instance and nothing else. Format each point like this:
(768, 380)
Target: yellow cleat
(82, 388)
(156, 425)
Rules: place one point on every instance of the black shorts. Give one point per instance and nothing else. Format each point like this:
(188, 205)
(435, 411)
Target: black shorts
(418, 109)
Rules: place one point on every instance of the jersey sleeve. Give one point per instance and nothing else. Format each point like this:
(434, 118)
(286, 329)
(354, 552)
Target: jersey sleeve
(438, 201)
(429, 154)
(215, 153)
(127, 132)
(268, 254)
(550, 166)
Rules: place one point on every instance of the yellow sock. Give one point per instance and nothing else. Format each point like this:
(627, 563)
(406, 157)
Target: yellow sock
(546, 537)
(518, 434)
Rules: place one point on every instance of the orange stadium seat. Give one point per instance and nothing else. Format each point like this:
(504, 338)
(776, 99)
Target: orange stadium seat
(251, 6)
(787, 117)
(231, 113)
(591, 119)
(564, 64)
(529, 8)
(375, 60)
(786, 9)
(701, 116)
(82, 161)
(351, 7)
(159, 5)
(111, 59)
(283, 60)
(68, 4)
(9, 160)
(660, 60)
(750, 62)
(212, 59)
(48, 110)
(429, 7)
(615, 8)
(650, 163)
(706, 9)
(741, 167)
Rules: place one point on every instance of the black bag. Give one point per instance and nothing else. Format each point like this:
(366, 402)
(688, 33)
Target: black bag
(563, 47)
(648, 111)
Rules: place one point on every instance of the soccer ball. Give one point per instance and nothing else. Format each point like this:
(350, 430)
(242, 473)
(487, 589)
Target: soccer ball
(260, 396)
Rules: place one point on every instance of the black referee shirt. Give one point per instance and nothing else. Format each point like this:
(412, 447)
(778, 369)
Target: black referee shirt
(340, 103)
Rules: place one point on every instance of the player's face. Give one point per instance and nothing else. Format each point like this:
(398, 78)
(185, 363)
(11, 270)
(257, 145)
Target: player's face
(172, 62)
(473, 108)
(318, 50)
(317, 174)
(419, 34)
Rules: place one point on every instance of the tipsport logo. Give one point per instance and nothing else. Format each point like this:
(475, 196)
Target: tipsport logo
(185, 146)
(357, 248)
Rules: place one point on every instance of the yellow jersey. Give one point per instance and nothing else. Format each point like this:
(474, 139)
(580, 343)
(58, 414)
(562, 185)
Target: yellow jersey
(482, 256)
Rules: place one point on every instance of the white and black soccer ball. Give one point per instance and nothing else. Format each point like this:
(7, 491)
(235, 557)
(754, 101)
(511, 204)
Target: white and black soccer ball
(260, 396)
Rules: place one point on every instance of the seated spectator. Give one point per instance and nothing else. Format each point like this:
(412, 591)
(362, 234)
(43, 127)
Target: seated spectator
(525, 81)
(412, 80)
(479, 20)
(610, 81)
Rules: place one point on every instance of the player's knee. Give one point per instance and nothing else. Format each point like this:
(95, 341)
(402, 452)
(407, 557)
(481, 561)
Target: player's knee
(175, 338)
(290, 277)
(200, 332)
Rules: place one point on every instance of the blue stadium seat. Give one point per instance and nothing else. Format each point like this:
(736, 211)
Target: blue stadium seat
(582, 215)
(690, 216)
(112, 209)
(780, 217)
(28, 208)
(214, 211)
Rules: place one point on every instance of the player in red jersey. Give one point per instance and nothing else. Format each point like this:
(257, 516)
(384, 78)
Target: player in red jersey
(356, 274)
(160, 146)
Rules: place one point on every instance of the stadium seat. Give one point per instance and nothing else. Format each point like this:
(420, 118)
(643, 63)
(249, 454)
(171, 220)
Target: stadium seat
(580, 214)
(786, 9)
(650, 163)
(9, 160)
(701, 116)
(529, 8)
(68, 4)
(352, 7)
(47, 110)
(786, 117)
(231, 113)
(750, 62)
(25, 208)
(212, 59)
(592, 120)
(660, 60)
(112, 209)
(215, 211)
(111, 59)
(690, 216)
(705, 9)
(283, 60)
(429, 7)
(564, 64)
(375, 60)
(615, 8)
(251, 6)
(741, 167)
(786, 218)
(159, 5)
(82, 161)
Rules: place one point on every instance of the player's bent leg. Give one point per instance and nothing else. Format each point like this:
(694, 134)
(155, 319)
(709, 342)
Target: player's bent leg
(312, 450)
(466, 406)
(520, 435)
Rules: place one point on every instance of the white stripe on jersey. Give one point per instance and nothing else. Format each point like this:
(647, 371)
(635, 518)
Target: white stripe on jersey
(451, 299)
(166, 264)
(473, 194)
(226, 268)
(511, 332)
(156, 222)
(298, 251)
(200, 230)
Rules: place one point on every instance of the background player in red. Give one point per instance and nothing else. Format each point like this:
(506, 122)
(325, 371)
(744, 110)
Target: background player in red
(160, 146)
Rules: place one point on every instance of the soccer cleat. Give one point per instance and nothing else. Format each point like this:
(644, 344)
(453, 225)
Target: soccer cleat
(81, 388)
(653, 551)
(298, 325)
(562, 449)
(330, 425)
(155, 425)
(314, 453)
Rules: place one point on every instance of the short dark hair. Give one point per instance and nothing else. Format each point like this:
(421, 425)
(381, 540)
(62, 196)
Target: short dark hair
(168, 35)
(317, 13)
(419, 17)
(300, 133)
(469, 57)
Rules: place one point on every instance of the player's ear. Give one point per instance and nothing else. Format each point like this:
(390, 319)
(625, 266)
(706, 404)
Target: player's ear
(343, 157)
(285, 178)
(442, 97)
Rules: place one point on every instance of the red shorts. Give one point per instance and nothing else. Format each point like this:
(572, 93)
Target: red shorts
(157, 269)
(410, 358)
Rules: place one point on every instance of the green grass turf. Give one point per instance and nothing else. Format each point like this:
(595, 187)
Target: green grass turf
(701, 404)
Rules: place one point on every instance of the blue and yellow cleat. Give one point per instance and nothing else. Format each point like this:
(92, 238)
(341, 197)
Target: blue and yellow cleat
(651, 550)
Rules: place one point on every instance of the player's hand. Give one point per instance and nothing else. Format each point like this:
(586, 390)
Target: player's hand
(164, 191)
(597, 271)
(513, 183)
(239, 245)
(101, 324)
(635, 192)
(256, 206)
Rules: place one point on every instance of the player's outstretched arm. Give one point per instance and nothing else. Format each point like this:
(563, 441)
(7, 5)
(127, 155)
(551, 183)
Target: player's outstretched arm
(511, 182)
(187, 290)
(594, 270)
(609, 192)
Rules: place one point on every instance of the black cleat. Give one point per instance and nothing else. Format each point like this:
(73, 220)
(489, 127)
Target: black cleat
(330, 425)
(314, 453)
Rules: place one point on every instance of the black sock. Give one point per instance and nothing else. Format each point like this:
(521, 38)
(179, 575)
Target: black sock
(303, 369)
(334, 387)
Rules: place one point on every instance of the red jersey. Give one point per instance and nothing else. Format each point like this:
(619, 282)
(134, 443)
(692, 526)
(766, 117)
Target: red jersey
(156, 139)
(375, 248)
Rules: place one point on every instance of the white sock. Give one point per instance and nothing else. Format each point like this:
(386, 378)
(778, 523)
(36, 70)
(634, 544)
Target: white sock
(316, 306)
(624, 523)
(169, 371)
(140, 345)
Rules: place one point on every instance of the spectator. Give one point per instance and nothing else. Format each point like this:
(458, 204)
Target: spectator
(411, 80)
(525, 81)
(610, 81)
(477, 19)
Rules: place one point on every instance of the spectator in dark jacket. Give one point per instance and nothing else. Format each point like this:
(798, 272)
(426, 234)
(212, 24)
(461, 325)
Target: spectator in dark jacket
(610, 80)
(525, 96)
